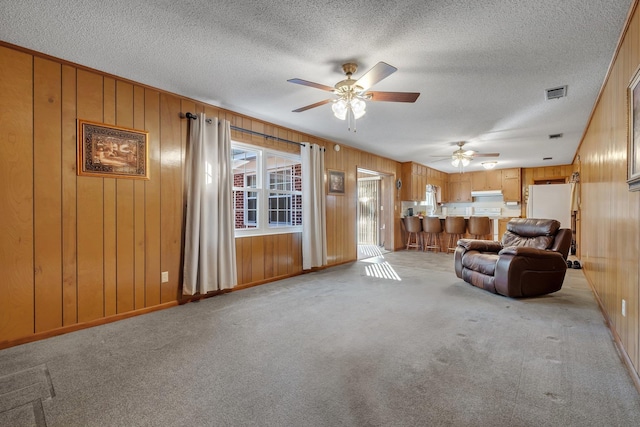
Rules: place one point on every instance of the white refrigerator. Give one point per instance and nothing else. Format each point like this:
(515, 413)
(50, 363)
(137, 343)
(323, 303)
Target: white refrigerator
(550, 201)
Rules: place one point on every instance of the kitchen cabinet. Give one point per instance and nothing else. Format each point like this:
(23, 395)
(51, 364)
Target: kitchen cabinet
(486, 180)
(459, 188)
(511, 187)
(478, 181)
(494, 179)
(415, 178)
(414, 181)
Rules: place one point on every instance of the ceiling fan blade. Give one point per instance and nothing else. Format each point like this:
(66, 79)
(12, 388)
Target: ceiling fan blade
(311, 84)
(393, 96)
(379, 71)
(438, 160)
(486, 155)
(308, 107)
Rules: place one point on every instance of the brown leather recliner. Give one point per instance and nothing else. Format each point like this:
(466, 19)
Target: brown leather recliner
(529, 261)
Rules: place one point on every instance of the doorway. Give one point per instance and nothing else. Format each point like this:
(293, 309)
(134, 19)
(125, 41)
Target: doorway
(375, 233)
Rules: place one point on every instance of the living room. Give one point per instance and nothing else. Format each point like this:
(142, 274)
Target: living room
(81, 252)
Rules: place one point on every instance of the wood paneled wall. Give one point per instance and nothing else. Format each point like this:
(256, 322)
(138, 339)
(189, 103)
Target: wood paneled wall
(610, 214)
(79, 250)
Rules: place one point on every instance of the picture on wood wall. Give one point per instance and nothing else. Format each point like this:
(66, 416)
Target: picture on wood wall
(112, 151)
(335, 180)
(633, 151)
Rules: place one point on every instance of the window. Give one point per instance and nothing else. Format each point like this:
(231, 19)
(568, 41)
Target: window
(267, 188)
(251, 201)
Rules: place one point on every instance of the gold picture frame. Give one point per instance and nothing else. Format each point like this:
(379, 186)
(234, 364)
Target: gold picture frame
(633, 150)
(112, 151)
(335, 182)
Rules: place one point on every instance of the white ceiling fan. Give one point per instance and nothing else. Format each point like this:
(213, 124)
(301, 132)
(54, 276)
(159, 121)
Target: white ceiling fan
(462, 158)
(351, 95)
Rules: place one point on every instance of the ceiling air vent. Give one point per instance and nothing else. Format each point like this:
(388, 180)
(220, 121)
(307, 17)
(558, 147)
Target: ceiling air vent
(556, 92)
(555, 136)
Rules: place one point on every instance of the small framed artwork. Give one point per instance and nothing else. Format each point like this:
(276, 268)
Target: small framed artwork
(335, 181)
(112, 151)
(633, 150)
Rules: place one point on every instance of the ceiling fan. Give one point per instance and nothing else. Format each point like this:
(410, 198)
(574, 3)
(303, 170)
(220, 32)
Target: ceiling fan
(461, 158)
(351, 94)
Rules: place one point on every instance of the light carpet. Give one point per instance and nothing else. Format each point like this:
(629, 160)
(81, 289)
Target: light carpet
(395, 340)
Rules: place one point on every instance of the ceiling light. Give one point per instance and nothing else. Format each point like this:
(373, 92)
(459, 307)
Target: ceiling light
(358, 107)
(461, 158)
(349, 106)
(489, 165)
(340, 109)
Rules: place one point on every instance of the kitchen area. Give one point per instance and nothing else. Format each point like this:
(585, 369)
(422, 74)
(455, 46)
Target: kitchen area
(500, 194)
(495, 193)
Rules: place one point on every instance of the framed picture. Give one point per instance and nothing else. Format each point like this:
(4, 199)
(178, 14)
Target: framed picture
(633, 150)
(111, 151)
(335, 181)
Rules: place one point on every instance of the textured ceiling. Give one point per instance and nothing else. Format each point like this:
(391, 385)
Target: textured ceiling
(481, 67)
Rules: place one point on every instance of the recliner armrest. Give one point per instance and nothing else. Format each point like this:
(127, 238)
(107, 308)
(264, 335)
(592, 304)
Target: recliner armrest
(480, 245)
(528, 252)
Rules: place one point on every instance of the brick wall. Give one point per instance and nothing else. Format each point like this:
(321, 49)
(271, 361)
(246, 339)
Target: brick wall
(296, 200)
(238, 181)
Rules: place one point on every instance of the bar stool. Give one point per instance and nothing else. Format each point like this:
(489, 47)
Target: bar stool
(479, 227)
(413, 225)
(432, 229)
(455, 227)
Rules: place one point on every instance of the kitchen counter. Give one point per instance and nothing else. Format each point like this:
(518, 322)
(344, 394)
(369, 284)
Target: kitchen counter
(494, 221)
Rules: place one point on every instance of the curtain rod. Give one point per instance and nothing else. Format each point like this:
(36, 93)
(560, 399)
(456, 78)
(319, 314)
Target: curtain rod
(189, 115)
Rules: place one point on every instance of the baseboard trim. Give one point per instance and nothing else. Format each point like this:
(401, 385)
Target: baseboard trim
(286, 276)
(84, 325)
(622, 352)
(183, 300)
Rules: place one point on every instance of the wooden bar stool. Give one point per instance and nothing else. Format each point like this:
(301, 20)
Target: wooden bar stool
(479, 227)
(413, 225)
(455, 227)
(432, 229)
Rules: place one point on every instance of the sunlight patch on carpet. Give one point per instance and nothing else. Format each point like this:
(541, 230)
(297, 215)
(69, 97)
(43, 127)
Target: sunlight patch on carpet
(382, 270)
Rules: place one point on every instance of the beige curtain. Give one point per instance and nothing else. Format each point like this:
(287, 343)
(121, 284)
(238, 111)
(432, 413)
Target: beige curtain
(210, 251)
(314, 223)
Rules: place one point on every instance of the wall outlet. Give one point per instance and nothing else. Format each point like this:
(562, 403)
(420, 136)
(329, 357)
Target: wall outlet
(165, 276)
(624, 308)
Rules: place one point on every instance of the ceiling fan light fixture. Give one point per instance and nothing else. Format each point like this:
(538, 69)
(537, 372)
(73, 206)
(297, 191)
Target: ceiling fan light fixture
(458, 160)
(489, 165)
(358, 107)
(351, 94)
(340, 109)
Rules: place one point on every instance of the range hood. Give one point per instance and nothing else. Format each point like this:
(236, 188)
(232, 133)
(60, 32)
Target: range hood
(487, 193)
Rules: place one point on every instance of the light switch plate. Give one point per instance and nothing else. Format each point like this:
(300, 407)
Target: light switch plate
(165, 276)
